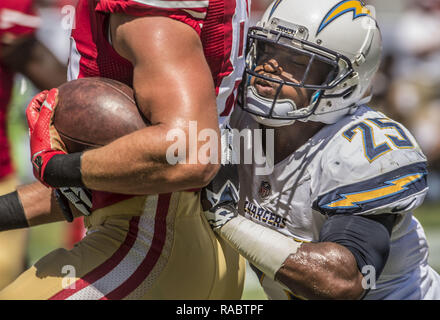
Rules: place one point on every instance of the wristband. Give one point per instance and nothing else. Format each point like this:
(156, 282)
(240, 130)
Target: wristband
(12, 214)
(265, 248)
(64, 170)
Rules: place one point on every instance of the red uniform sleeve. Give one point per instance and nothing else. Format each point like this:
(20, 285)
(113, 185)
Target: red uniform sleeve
(192, 12)
(17, 17)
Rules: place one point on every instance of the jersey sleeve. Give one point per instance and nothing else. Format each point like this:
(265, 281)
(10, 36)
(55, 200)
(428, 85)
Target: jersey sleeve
(191, 12)
(372, 166)
(18, 17)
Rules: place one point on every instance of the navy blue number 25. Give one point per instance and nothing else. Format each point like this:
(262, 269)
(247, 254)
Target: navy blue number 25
(373, 151)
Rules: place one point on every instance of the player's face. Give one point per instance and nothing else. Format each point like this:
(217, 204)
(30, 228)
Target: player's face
(279, 63)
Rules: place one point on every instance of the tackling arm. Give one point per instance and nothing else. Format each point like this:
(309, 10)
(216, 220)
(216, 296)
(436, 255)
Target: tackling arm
(311, 270)
(322, 270)
(347, 244)
(31, 205)
(328, 269)
(39, 204)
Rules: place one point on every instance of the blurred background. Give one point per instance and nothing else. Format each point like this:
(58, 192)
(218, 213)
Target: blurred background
(406, 88)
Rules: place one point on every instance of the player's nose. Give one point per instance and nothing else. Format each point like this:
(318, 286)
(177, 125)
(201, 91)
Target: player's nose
(272, 66)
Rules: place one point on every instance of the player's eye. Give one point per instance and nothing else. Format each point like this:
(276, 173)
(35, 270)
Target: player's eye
(265, 50)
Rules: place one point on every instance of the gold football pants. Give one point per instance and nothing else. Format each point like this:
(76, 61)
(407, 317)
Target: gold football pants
(148, 247)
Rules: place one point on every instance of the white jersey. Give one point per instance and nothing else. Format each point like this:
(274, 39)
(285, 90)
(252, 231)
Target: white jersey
(365, 164)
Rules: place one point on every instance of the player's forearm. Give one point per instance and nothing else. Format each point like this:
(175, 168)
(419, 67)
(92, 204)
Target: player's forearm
(42, 63)
(322, 271)
(138, 164)
(30, 205)
(313, 271)
(39, 205)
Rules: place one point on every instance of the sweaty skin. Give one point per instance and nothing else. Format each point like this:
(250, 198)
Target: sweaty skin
(40, 206)
(272, 69)
(172, 87)
(322, 270)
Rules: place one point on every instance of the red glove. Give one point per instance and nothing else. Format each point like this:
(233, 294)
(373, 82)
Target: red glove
(45, 141)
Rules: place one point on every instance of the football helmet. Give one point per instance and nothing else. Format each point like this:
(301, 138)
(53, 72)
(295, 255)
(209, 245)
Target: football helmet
(338, 39)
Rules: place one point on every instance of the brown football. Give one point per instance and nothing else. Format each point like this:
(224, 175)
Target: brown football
(92, 112)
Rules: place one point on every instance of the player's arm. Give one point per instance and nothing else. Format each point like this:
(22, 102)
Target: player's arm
(329, 269)
(28, 56)
(322, 271)
(31, 205)
(173, 86)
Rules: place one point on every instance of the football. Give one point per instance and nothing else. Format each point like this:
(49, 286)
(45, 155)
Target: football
(92, 112)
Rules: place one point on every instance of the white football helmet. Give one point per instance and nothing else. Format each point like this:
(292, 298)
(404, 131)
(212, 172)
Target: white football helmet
(341, 38)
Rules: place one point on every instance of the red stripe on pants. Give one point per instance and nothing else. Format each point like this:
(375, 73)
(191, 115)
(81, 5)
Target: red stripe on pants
(152, 256)
(105, 267)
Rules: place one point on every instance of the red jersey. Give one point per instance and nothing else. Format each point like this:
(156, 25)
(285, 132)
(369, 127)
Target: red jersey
(18, 19)
(221, 25)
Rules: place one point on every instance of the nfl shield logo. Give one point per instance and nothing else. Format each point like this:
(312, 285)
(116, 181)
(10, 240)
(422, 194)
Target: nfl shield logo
(264, 190)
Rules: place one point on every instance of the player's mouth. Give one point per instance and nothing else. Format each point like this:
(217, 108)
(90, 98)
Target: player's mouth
(265, 88)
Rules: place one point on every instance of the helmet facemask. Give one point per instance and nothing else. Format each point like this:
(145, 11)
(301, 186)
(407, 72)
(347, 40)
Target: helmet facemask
(311, 71)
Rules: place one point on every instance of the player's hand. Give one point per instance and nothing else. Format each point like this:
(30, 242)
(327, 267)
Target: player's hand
(44, 140)
(81, 198)
(219, 215)
(220, 197)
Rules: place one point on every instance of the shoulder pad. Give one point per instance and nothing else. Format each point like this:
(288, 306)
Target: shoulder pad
(373, 164)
